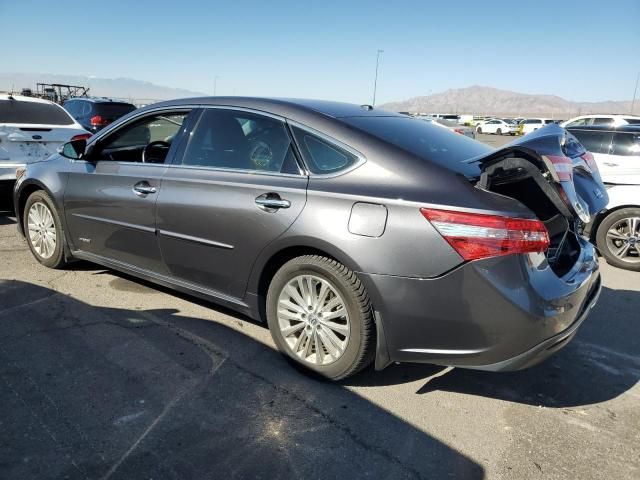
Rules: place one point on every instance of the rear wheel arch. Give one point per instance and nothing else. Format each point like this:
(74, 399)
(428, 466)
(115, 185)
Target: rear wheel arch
(266, 268)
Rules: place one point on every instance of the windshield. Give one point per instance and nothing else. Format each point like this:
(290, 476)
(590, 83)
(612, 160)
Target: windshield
(432, 143)
(33, 113)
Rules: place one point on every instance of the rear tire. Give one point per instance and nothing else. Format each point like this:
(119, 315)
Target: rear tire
(618, 238)
(43, 230)
(320, 316)
(499, 131)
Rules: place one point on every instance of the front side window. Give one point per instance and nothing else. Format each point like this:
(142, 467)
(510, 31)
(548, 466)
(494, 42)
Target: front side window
(133, 142)
(240, 140)
(578, 123)
(321, 156)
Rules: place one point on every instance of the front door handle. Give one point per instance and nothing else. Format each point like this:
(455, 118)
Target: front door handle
(143, 188)
(271, 201)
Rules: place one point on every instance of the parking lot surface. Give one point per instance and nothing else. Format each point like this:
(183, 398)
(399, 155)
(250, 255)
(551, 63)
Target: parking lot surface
(106, 376)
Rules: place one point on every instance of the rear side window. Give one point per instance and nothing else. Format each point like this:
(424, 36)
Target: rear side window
(626, 144)
(426, 141)
(322, 156)
(633, 121)
(16, 111)
(240, 141)
(603, 121)
(596, 142)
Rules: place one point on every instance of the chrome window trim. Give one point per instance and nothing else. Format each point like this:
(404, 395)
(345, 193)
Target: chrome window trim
(361, 159)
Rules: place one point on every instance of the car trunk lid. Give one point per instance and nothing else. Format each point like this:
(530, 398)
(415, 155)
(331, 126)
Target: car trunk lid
(552, 174)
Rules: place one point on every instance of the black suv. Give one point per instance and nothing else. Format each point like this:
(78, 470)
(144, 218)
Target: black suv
(96, 113)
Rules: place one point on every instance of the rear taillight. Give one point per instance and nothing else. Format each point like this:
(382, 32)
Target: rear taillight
(475, 235)
(98, 121)
(563, 167)
(82, 136)
(590, 161)
(459, 130)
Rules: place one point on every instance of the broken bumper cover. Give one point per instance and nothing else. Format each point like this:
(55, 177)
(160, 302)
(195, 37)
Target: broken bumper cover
(504, 313)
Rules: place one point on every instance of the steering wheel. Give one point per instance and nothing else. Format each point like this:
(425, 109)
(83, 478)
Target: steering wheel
(160, 145)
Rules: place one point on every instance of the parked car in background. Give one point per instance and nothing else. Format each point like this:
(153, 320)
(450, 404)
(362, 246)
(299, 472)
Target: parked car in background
(616, 229)
(616, 151)
(529, 125)
(96, 113)
(452, 117)
(31, 129)
(497, 126)
(356, 233)
(452, 126)
(601, 120)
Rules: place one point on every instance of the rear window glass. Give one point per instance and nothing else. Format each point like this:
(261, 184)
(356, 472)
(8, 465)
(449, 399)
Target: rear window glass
(424, 140)
(113, 110)
(16, 111)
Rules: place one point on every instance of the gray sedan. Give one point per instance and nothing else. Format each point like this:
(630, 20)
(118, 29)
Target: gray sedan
(359, 236)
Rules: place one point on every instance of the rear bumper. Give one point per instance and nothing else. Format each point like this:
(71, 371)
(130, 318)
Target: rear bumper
(504, 313)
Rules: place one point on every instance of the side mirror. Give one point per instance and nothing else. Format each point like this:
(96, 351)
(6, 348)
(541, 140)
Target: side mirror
(75, 149)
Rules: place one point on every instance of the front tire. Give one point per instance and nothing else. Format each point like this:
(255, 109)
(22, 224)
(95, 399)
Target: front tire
(43, 230)
(478, 130)
(499, 131)
(320, 316)
(618, 238)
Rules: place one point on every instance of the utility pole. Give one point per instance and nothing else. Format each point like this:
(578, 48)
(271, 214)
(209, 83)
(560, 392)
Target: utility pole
(633, 102)
(375, 80)
(215, 84)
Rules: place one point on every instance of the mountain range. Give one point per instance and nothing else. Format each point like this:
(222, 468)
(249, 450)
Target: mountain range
(125, 88)
(480, 100)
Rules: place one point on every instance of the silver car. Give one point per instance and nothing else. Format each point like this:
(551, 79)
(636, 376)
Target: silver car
(357, 235)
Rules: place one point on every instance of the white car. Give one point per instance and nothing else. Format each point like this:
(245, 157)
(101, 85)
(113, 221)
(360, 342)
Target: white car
(616, 230)
(497, 126)
(604, 120)
(31, 129)
(529, 125)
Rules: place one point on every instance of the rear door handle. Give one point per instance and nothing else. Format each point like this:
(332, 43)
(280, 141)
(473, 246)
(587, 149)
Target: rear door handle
(143, 188)
(272, 201)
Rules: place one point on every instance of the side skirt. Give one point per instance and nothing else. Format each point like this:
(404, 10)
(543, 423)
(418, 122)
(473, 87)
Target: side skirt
(170, 282)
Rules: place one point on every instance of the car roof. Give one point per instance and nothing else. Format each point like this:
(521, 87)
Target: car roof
(284, 106)
(22, 98)
(606, 115)
(605, 128)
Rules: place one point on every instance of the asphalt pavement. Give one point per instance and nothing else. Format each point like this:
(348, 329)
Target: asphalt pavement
(106, 376)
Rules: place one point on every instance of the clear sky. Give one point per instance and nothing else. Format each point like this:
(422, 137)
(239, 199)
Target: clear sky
(581, 50)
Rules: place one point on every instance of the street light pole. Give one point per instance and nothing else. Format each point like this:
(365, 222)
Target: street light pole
(633, 102)
(215, 84)
(375, 81)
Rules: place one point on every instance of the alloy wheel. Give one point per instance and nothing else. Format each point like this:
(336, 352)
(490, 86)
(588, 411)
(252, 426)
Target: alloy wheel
(42, 230)
(313, 319)
(623, 239)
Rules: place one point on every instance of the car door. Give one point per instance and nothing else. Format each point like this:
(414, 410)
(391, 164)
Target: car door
(235, 187)
(110, 200)
(599, 144)
(625, 154)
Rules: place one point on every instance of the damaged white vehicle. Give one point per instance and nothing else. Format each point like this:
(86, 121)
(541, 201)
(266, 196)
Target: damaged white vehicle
(31, 129)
